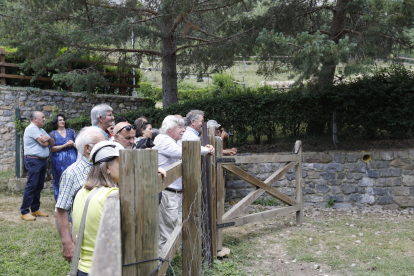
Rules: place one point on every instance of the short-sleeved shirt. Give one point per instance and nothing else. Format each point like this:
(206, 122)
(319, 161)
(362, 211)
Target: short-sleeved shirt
(93, 217)
(31, 146)
(72, 179)
(107, 138)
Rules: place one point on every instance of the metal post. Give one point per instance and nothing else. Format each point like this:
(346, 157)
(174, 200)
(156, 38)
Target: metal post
(17, 113)
(134, 91)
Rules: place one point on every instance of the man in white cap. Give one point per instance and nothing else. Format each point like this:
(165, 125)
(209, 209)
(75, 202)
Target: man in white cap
(223, 135)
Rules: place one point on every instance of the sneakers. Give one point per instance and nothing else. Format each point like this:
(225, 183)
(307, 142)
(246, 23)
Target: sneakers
(38, 213)
(28, 217)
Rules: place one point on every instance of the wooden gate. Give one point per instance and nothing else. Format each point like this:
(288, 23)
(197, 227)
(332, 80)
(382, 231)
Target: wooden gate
(231, 218)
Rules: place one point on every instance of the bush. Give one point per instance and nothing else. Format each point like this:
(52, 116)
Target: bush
(370, 107)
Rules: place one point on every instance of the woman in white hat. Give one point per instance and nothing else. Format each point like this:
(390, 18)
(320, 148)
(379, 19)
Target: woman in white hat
(99, 184)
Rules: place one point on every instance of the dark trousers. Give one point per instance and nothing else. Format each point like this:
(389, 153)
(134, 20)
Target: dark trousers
(80, 273)
(36, 172)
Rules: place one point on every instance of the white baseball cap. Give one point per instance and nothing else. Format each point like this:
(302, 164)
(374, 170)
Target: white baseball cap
(213, 123)
(105, 151)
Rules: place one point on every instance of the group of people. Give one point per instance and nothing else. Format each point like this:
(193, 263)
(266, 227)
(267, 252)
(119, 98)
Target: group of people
(85, 169)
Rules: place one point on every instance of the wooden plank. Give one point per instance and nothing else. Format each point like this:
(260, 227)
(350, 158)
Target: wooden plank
(3, 69)
(212, 141)
(263, 159)
(252, 196)
(262, 216)
(191, 208)
(256, 182)
(174, 171)
(139, 198)
(170, 247)
(9, 76)
(220, 193)
(106, 259)
(299, 182)
(6, 64)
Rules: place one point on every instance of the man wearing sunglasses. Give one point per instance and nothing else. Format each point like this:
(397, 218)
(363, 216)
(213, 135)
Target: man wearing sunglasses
(125, 134)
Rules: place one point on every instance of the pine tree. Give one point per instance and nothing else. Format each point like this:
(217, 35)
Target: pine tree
(314, 37)
(51, 33)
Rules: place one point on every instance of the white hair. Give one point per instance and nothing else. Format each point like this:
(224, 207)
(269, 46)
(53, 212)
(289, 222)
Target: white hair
(99, 110)
(86, 136)
(193, 115)
(170, 122)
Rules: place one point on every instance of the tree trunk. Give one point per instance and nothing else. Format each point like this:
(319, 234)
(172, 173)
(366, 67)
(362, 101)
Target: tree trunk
(169, 65)
(328, 70)
(327, 74)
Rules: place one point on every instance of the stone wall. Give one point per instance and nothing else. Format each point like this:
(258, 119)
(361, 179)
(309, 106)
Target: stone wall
(386, 179)
(71, 104)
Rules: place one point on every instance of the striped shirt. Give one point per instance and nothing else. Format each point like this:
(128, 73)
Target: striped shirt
(73, 178)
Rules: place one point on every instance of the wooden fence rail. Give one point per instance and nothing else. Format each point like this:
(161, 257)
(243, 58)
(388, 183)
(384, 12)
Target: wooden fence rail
(123, 84)
(128, 231)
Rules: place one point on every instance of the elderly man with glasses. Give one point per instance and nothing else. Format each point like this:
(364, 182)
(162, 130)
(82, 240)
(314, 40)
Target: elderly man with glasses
(125, 134)
(73, 178)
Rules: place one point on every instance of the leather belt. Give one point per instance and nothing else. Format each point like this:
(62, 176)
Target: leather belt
(36, 157)
(175, 191)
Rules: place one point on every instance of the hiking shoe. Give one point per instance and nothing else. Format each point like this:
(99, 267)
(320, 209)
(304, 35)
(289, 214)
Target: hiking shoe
(39, 213)
(28, 217)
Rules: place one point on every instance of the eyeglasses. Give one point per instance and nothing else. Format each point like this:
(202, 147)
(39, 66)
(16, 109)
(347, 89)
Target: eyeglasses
(128, 128)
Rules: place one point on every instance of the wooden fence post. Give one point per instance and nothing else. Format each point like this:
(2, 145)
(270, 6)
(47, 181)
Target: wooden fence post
(212, 159)
(220, 195)
(191, 208)
(138, 186)
(299, 181)
(3, 68)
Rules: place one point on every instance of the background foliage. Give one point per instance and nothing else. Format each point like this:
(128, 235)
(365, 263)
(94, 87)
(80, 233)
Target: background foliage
(371, 107)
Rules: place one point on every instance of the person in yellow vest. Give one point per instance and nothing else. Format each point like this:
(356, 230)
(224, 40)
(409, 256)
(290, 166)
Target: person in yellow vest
(103, 176)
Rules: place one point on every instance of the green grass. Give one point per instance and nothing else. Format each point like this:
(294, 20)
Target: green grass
(29, 248)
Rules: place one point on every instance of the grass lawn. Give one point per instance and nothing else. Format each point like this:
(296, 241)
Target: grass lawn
(329, 242)
(29, 248)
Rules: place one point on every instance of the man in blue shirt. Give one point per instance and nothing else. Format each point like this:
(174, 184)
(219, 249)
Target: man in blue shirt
(102, 117)
(36, 144)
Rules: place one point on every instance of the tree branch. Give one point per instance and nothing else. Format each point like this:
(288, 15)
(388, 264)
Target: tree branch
(195, 38)
(216, 8)
(211, 41)
(131, 9)
(145, 51)
(317, 9)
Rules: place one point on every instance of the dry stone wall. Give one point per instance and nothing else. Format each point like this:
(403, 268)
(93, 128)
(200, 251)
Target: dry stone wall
(71, 104)
(386, 179)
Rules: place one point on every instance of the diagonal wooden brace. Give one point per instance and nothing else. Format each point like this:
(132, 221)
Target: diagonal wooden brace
(256, 182)
(252, 196)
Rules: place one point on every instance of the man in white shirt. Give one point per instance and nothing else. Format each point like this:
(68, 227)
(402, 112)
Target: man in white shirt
(169, 152)
(195, 120)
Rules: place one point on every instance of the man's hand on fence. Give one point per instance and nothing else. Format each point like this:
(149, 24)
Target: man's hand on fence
(211, 148)
(230, 152)
(162, 172)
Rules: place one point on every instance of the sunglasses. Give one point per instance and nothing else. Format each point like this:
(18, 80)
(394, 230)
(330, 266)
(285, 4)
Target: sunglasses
(128, 128)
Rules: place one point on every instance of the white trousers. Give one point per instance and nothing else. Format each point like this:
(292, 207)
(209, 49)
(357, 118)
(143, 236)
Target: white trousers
(170, 213)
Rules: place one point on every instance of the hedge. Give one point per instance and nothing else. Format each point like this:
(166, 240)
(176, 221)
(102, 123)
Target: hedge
(370, 107)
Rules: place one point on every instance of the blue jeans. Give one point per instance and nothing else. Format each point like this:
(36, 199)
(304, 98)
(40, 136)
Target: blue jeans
(36, 172)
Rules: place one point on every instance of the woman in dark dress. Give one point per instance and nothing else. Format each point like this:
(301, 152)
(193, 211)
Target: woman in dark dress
(63, 153)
